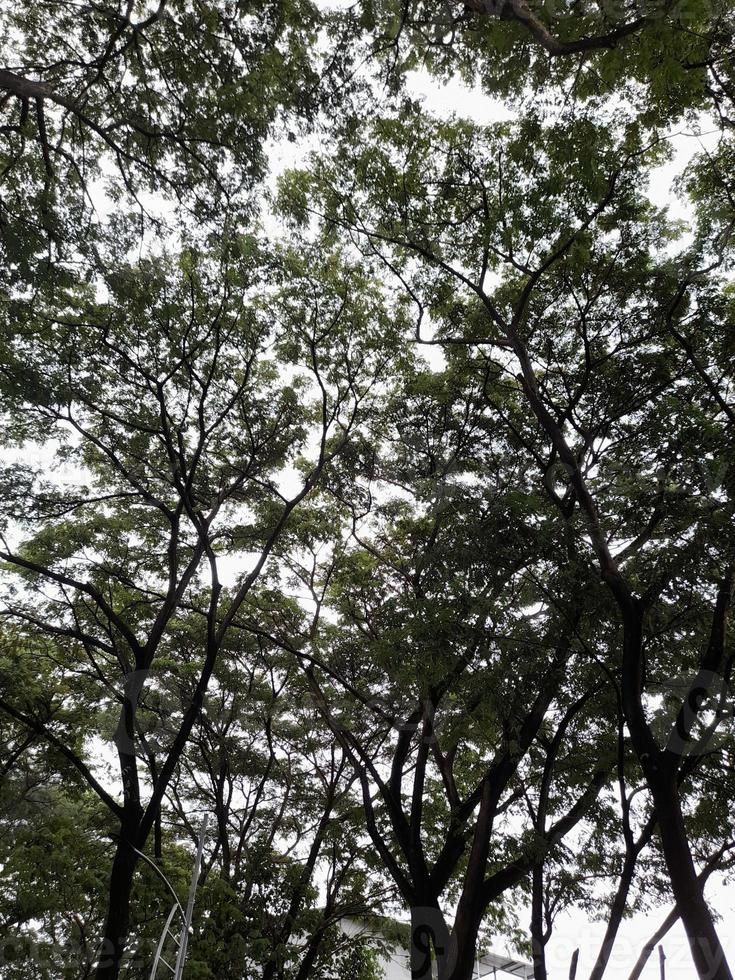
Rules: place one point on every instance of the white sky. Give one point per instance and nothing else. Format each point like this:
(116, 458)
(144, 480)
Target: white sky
(575, 930)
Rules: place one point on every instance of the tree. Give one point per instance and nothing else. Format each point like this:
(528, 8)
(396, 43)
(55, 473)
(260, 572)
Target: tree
(441, 664)
(168, 396)
(155, 106)
(666, 60)
(52, 828)
(499, 588)
(284, 817)
(508, 252)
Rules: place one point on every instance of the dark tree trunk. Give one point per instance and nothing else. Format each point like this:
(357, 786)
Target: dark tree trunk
(650, 945)
(712, 865)
(573, 965)
(420, 947)
(617, 910)
(431, 944)
(137, 822)
(538, 944)
(466, 928)
(704, 943)
(158, 837)
(307, 963)
(472, 903)
(297, 895)
(660, 771)
(117, 924)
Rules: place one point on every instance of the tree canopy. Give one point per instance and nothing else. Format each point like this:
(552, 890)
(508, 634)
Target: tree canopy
(367, 481)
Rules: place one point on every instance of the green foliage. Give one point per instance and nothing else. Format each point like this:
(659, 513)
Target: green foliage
(258, 552)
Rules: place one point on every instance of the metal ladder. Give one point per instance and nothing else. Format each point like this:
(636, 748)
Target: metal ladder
(180, 939)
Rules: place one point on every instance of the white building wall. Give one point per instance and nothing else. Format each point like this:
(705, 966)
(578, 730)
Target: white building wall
(395, 964)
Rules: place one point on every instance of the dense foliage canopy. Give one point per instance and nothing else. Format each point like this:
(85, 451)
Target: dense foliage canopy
(368, 480)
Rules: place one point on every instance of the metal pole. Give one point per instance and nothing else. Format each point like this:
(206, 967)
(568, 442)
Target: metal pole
(179, 968)
(162, 941)
(662, 962)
